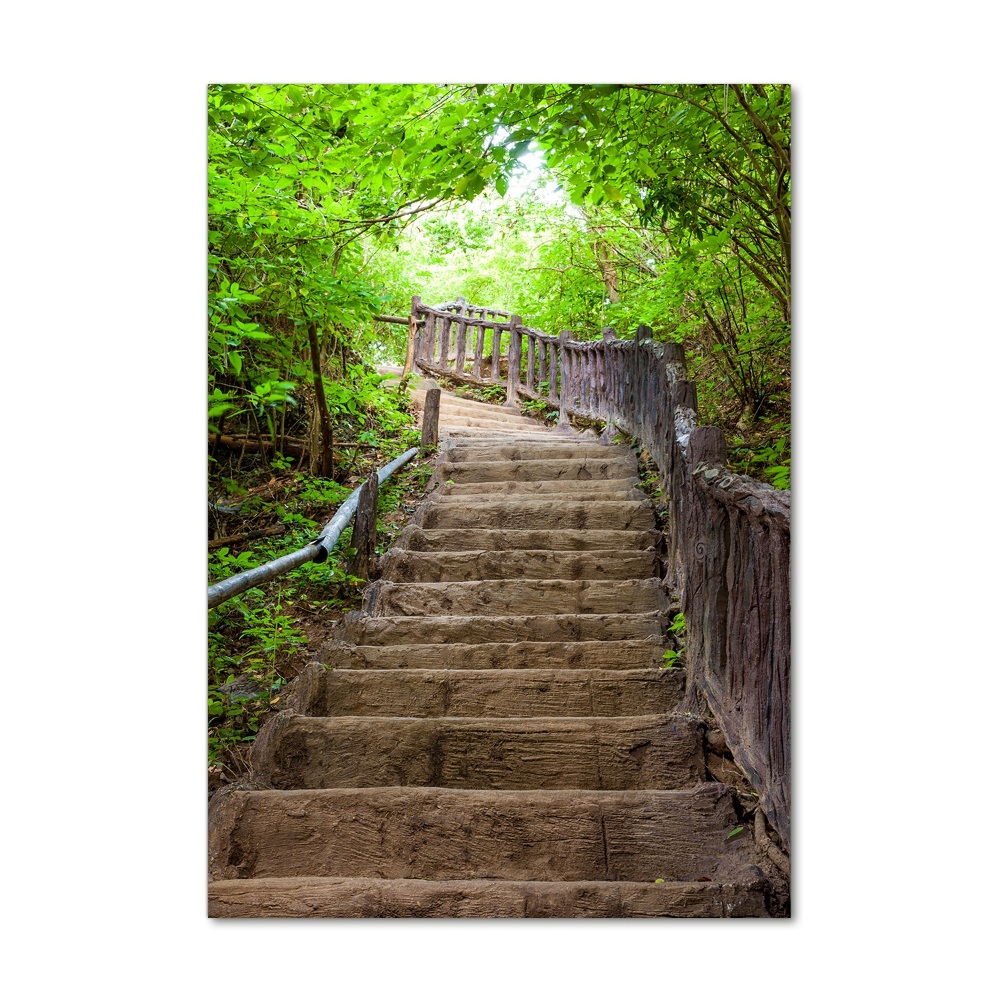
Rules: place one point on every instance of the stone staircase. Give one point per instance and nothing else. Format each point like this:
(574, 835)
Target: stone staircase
(495, 736)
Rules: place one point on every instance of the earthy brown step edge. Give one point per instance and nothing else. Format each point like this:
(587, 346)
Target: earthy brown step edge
(534, 469)
(570, 493)
(563, 835)
(408, 565)
(368, 897)
(544, 432)
(419, 539)
(453, 658)
(396, 630)
(505, 597)
(485, 693)
(516, 513)
(450, 422)
(533, 753)
(539, 486)
(570, 451)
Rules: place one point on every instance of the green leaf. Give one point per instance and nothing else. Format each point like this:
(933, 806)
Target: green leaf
(501, 186)
(734, 833)
(397, 157)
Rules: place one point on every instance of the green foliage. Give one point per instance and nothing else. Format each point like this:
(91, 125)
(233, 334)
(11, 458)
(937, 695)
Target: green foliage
(303, 182)
(236, 706)
(540, 409)
(670, 658)
(667, 205)
(675, 657)
(766, 455)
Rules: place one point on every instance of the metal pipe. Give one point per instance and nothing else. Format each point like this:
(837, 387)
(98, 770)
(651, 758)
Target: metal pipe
(316, 551)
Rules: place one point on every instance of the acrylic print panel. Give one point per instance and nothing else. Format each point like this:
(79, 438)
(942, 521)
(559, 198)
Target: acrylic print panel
(499, 424)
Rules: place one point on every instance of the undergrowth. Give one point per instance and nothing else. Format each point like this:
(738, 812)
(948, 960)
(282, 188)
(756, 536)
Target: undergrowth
(259, 640)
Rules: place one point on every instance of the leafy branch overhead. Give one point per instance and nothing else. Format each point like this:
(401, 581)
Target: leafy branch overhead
(667, 205)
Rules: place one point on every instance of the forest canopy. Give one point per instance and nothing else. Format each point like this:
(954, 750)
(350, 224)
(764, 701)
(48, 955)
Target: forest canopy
(575, 206)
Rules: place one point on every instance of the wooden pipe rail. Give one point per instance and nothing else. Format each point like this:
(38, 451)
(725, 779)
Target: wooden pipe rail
(729, 544)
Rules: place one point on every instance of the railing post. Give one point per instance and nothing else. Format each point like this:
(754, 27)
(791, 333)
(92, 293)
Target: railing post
(608, 336)
(363, 538)
(432, 411)
(553, 372)
(673, 354)
(411, 338)
(563, 378)
(513, 362)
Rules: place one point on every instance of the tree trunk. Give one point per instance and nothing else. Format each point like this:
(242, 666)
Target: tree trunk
(320, 464)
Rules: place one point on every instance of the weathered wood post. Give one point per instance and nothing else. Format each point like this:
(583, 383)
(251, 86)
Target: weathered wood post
(606, 402)
(432, 412)
(460, 333)
(683, 396)
(411, 338)
(564, 379)
(513, 362)
(363, 539)
(673, 356)
(704, 539)
(553, 372)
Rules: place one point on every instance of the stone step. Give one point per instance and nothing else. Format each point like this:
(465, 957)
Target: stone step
(488, 438)
(531, 470)
(438, 652)
(485, 693)
(377, 897)
(454, 407)
(516, 597)
(575, 492)
(466, 402)
(560, 488)
(463, 404)
(565, 835)
(634, 752)
(575, 450)
(402, 565)
(457, 421)
(483, 411)
(470, 540)
(529, 513)
(471, 629)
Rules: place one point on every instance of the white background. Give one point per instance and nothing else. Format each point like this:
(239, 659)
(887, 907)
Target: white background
(895, 335)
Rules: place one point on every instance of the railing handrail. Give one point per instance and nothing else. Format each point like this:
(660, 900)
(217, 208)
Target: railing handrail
(316, 551)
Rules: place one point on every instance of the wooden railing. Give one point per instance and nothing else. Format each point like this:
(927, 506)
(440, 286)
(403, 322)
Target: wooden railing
(729, 537)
